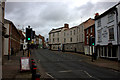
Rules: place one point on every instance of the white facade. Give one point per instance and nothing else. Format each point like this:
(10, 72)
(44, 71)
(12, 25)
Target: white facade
(106, 33)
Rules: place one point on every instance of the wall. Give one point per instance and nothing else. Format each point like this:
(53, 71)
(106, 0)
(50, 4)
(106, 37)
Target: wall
(105, 34)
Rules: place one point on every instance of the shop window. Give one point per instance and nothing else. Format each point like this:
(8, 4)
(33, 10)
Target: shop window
(109, 51)
(105, 51)
(114, 51)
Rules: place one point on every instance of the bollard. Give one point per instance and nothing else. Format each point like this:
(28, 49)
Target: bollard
(34, 69)
(34, 72)
(37, 76)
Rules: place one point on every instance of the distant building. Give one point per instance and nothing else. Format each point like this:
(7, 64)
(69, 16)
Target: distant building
(108, 33)
(11, 44)
(89, 31)
(41, 41)
(56, 37)
(70, 39)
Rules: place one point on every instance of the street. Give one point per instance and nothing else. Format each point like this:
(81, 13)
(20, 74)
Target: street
(59, 65)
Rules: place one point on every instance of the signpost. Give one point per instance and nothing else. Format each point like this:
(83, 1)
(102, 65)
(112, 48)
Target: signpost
(25, 64)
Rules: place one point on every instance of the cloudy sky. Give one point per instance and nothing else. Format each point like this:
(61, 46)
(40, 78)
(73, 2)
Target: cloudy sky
(42, 16)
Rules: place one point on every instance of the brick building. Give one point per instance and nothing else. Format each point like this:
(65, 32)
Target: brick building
(89, 32)
(11, 44)
(22, 38)
(42, 41)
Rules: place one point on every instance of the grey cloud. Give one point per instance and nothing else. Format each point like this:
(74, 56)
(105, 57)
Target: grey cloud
(44, 16)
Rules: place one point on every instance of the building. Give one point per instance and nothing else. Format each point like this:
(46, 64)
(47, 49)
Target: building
(56, 37)
(41, 41)
(11, 44)
(2, 33)
(70, 39)
(89, 31)
(108, 33)
(80, 38)
(22, 38)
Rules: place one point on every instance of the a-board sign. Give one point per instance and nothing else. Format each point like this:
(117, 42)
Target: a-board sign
(25, 63)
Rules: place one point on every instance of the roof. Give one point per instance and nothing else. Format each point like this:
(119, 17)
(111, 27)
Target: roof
(90, 26)
(108, 11)
(56, 29)
(7, 21)
(10, 22)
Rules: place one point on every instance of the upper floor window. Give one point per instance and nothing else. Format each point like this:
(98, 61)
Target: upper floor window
(99, 35)
(58, 33)
(58, 39)
(110, 17)
(74, 32)
(64, 33)
(70, 39)
(111, 33)
(87, 40)
(53, 34)
(53, 40)
(99, 22)
(91, 29)
(87, 31)
(70, 32)
(64, 40)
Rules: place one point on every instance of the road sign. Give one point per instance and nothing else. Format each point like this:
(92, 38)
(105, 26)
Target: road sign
(25, 64)
(24, 46)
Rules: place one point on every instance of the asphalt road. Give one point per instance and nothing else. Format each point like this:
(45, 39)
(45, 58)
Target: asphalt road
(62, 66)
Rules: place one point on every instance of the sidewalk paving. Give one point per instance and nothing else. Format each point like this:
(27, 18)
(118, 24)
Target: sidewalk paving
(115, 65)
(11, 68)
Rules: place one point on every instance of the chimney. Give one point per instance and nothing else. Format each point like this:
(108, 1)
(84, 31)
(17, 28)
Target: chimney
(66, 25)
(96, 15)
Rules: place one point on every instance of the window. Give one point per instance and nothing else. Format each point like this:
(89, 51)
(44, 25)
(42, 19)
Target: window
(70, 39)
(87, 31)
(87, 40)
(70, 32)
(58, 39)
(74, 32)
(64, 40)
(91, 29)
(58, 33)
(64, 33)
(110, 17)
(99, 22)
(53, 40)
(99, 35)
(77, 38)
(53, 34)
(111, 34)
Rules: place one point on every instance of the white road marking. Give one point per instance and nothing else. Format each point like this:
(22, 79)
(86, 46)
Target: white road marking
(65, 71)
(50, 75)
(87, 73)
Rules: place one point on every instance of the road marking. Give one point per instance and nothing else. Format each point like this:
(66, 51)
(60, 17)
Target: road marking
(65, 71)
(50, 75)
(87, 73)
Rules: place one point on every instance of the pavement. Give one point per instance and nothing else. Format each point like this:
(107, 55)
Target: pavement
(11, 68)
(101, 62)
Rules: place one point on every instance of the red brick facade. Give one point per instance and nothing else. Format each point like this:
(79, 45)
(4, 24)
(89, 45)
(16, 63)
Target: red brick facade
(89, 33)
(14, 39)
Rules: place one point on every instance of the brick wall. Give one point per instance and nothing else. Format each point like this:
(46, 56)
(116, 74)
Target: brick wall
(15, 38)
(89, 33)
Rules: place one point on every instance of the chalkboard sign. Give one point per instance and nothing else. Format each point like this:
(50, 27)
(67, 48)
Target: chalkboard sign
(25, 63)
